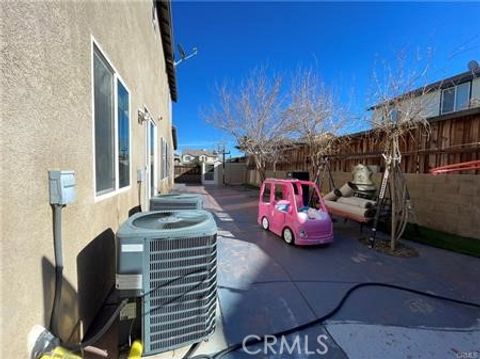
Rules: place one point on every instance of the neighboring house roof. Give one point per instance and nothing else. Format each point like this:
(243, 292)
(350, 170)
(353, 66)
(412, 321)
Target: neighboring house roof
(196, 153)
(164, 14)
(438, 85)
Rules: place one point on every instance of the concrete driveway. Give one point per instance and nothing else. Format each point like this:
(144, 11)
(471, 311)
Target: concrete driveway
(266, 286)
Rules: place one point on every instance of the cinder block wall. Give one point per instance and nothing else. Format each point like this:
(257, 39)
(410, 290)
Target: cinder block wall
(448, 203)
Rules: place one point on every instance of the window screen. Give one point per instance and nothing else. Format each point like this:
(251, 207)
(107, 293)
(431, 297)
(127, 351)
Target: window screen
(456, 98)
(104, 125)
(448, 100)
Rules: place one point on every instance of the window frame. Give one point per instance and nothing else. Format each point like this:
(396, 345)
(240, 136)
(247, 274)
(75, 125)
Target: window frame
(455, 87)
(95, 47)
(266, 186)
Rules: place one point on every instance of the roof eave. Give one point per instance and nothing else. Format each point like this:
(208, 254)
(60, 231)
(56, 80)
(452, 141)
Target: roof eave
(164, 15)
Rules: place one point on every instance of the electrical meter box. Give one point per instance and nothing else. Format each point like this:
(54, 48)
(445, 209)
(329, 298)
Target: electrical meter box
(62, 186)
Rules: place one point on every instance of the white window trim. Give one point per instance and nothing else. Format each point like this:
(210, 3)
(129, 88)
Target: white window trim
(165, 168)
(155, 157)
(116, 77)
(117, 180)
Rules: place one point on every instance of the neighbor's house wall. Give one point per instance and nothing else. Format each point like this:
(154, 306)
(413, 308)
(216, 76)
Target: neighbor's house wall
(476, 89)
(448, 203)
(430, 102)
(47, 123)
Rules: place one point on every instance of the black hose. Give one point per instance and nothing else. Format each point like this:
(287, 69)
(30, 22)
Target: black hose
(320, 320)
(98, 335)
(95, 338)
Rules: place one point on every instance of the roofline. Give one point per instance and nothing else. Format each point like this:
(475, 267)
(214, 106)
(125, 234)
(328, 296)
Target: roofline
(438, 85)
(164, 15)
(449, 116)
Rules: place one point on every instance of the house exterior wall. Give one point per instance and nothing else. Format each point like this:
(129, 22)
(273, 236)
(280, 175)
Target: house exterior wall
(476, 89)
(47, 123)
(430, 102)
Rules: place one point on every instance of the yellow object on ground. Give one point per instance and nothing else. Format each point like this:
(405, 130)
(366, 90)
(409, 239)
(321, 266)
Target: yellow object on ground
(136, 350)
(60, 353)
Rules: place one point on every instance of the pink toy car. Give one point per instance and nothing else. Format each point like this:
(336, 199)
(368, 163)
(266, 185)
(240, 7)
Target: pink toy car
(294, 210)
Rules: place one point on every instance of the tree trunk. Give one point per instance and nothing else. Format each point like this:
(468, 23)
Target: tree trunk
(393, 198)
(262, 173)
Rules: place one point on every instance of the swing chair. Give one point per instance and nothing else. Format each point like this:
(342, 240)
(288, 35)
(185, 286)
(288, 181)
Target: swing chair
(354, 200)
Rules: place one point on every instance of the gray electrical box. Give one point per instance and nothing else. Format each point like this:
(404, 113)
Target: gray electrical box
(62, 186)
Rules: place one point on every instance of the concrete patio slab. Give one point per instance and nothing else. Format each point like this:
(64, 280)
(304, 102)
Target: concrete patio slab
(266, 286)
(372, 341)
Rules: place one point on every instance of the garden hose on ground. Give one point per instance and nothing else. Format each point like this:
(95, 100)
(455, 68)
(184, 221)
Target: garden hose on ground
(98, 335)
(322, 319)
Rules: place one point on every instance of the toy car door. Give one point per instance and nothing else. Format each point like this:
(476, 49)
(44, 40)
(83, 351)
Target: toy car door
(280, 207)
(265, 201)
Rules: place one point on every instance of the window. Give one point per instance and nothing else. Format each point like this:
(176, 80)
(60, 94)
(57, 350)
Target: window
(279, 191)
(152, 145)
(104, 125)
(295, 188)
(455, 98)
(463, 96)
(111, 115)
(266, 193)
(165, 165)
(123, 114)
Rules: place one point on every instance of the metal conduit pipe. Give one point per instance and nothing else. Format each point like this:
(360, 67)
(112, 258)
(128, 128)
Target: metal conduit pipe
(58, 251)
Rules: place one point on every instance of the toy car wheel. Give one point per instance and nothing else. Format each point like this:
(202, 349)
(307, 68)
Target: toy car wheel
(265, 223)
(288, 236)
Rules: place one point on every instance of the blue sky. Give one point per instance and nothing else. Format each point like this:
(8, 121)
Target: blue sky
(340, 40)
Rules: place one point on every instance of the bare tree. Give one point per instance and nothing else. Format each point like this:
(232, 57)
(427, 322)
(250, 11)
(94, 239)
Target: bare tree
(252, 113)
(315, 117)
(402, 100)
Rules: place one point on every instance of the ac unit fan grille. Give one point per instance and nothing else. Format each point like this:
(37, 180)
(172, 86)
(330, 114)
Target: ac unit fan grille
(155, 206)
(180, 306)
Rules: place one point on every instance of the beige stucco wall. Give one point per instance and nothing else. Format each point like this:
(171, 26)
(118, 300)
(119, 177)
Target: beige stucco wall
(448, 203)
(46, 109)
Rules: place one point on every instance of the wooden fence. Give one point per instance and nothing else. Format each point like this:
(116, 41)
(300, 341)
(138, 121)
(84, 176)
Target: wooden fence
(450, 141)
(188, 174)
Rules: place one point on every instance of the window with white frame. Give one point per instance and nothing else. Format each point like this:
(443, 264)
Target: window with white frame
(455, 98)
(112, 130)
(165, 168)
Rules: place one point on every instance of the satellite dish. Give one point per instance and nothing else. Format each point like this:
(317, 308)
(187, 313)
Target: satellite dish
(181, 51)
(473, 66)
(183, 54)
